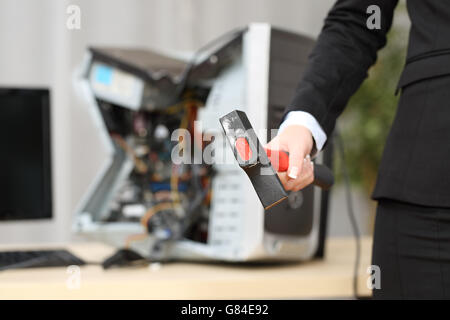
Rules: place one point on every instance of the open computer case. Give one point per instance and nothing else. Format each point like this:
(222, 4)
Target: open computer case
(139, 97)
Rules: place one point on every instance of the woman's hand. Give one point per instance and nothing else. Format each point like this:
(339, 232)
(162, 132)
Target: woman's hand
(298, 141)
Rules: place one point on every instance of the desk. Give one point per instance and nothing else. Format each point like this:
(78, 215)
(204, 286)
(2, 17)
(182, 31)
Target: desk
(329, 278)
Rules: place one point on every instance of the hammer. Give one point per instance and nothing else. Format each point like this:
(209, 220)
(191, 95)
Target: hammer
(255, 160)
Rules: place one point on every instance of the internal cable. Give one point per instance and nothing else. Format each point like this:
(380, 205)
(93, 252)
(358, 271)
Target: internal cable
(174, 178)
(351, 213)
(153, 210)
(135, 237)
(139, 164)
(144, 222)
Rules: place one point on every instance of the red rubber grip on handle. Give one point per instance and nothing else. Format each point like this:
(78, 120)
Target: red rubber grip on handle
(279, 159)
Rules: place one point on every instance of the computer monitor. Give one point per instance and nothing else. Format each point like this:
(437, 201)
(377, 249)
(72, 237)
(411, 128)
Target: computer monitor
(25, 164)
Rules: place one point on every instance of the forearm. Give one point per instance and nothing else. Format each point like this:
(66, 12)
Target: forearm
(338, 64)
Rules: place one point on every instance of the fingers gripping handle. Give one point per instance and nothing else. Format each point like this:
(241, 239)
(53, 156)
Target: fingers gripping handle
(323, 176)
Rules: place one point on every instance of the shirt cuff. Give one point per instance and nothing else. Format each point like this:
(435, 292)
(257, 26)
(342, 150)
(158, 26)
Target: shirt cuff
(305, 119)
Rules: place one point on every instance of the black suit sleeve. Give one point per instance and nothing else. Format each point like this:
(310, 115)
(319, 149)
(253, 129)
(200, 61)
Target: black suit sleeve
(338, 64)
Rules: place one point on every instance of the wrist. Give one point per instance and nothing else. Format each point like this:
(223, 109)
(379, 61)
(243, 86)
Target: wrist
(307, 120)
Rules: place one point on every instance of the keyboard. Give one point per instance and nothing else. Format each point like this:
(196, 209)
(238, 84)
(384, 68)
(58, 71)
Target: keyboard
(37, 259)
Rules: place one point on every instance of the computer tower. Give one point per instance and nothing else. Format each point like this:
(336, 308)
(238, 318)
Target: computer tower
(256, 70)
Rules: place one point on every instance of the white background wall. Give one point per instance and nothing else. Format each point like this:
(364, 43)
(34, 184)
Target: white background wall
(36, 49)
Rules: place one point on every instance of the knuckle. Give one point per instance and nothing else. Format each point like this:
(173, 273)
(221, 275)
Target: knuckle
(288, 187)
(298, 185)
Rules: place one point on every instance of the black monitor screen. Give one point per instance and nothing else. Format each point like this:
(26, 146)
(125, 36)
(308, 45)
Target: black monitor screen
(25, 168)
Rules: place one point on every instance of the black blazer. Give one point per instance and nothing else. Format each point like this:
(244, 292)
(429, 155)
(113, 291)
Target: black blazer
(416, 162)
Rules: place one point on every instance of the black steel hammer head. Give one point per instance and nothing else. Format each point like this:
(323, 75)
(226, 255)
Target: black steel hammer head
(252, 158)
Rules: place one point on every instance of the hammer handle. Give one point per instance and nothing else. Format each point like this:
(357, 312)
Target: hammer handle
(323, 177)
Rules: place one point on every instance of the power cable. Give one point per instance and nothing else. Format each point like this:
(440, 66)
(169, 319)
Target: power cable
(351, 213)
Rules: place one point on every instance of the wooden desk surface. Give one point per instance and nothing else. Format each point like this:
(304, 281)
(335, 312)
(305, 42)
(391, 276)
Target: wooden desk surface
(330, 278)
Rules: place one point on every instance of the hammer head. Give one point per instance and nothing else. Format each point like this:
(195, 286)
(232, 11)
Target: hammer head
(252, 158)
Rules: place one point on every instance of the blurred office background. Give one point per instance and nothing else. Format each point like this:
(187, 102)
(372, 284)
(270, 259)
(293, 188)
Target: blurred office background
(38, 50)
